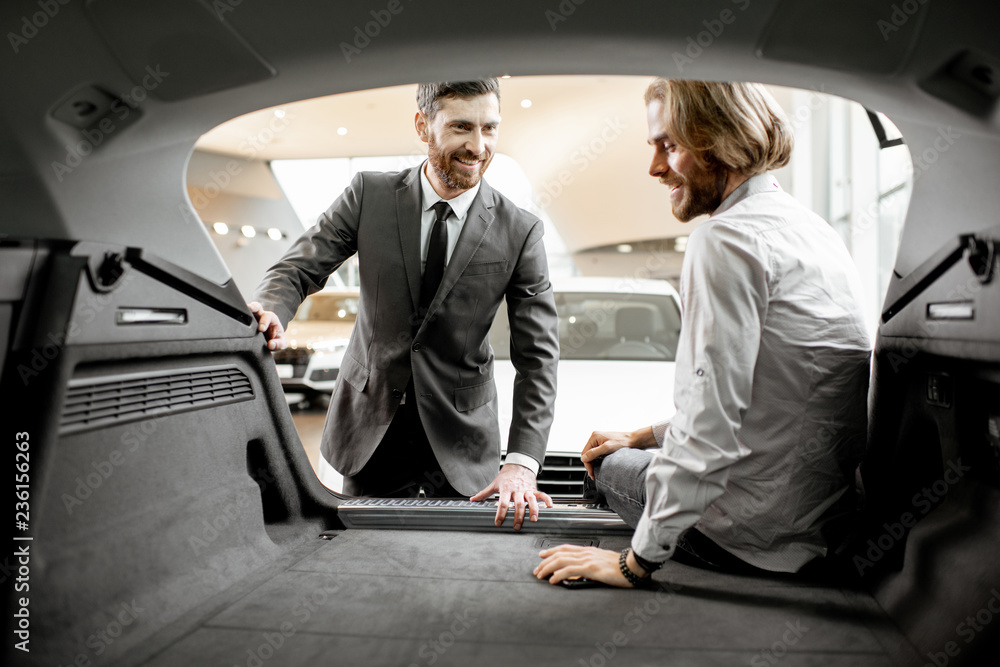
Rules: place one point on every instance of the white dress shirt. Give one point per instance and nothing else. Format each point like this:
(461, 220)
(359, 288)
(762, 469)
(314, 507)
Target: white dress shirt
(459, 212)
(771, 385)
(456, 221)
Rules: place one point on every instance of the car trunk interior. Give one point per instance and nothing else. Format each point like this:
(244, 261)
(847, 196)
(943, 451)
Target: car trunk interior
(180, 521)
(174, 516)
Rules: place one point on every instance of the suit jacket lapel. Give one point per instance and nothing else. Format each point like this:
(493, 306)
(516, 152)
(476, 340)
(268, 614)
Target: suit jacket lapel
(477, 223)
(408, 222)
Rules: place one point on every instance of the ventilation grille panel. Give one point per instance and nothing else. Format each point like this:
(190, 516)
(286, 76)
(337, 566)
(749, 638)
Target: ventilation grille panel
(562, 476)
(96, 402)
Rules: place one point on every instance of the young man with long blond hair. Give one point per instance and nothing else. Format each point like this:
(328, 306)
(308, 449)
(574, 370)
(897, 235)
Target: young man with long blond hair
(771, 369)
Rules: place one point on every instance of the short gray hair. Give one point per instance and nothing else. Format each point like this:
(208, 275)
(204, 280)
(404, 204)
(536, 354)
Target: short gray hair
(429, 95)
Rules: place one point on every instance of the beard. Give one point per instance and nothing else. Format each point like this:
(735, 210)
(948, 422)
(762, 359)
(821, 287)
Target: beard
(451, 175)
(702, 193)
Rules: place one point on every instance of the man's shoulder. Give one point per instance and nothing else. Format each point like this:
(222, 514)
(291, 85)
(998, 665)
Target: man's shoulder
(761, 213)
(739, 231)
(387, 179)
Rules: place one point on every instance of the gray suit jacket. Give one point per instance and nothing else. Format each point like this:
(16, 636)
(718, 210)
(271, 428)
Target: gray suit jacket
(499, 254)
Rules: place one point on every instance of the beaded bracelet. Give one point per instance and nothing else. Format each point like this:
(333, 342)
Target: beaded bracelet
(631, 576)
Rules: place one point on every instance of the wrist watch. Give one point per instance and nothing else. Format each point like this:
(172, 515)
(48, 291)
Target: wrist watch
(631, 576)
(648, 566)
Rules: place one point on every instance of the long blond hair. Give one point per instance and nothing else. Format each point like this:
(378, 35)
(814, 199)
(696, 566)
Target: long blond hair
(737, 125)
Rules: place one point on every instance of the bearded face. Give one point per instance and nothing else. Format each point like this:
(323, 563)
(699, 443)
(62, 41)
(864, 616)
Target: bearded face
(697, 183)
(696, 191)
(461, 140)
(458, 169)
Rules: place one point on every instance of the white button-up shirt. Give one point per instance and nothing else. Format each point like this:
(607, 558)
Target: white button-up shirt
(771, 385)
(459, 212)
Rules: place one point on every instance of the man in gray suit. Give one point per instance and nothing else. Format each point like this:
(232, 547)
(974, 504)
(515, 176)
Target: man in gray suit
(415, 410)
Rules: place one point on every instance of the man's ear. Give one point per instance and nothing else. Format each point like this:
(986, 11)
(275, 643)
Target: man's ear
(420, 123)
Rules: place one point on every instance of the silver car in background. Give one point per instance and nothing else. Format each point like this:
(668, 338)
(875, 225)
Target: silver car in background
(317, 338)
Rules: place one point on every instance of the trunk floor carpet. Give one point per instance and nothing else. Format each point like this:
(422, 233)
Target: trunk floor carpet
(398, 597)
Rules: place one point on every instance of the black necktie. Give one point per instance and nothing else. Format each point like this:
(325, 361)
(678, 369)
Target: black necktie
(437, 250)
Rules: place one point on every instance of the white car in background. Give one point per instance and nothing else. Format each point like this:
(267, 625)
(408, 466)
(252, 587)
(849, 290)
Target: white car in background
(317, 338)
(617, 341)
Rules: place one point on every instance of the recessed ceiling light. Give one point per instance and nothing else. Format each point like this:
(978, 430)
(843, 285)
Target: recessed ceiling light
(624, 247)
(279, 113)
(274, 234)
(248, 231)
(525, 103)
(341, 131)
(221, 228)
(505, 76)
(680, 244)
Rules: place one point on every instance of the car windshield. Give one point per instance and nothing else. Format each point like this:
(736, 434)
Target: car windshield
(607, 326)
(328, 308)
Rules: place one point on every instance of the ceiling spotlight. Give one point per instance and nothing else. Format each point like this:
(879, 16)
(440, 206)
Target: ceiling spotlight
(274, 234)
(505, 76)
(341, 131)
(221, 228)
(248, 231)
(279, 113)
(624, 248)
(525, 103)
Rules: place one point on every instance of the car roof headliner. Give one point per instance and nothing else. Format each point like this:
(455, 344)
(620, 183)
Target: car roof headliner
(838, 48)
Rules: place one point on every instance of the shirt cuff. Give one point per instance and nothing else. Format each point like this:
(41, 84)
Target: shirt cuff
(522, 460)
(660, 431)
(644, 543)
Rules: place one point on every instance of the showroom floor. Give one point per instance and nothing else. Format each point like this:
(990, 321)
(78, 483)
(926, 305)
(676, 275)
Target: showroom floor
(309, 423)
